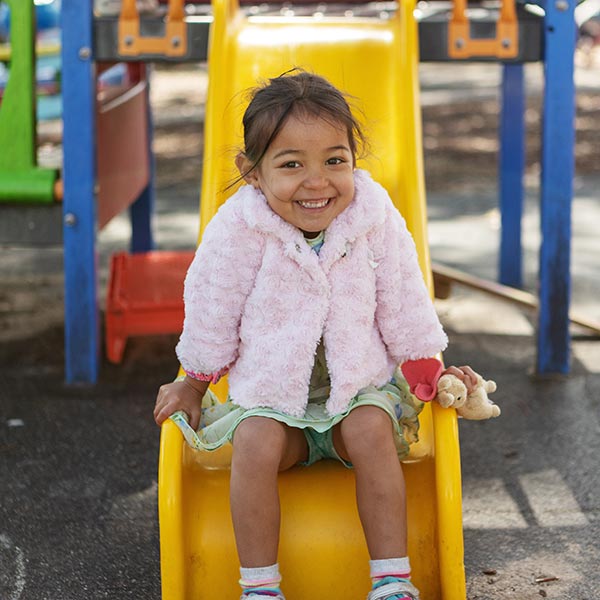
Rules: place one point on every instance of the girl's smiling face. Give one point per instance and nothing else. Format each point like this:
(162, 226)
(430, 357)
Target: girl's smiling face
(306, 173)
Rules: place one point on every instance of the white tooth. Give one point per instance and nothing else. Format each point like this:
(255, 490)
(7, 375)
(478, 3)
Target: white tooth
(314, 204)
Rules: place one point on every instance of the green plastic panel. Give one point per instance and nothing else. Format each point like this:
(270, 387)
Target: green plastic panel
(20, 178)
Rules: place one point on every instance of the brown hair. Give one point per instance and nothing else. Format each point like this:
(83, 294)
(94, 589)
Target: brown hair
(292, 93)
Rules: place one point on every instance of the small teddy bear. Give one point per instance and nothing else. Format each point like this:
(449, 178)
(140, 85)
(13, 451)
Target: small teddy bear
(452, 392)
(427, 382)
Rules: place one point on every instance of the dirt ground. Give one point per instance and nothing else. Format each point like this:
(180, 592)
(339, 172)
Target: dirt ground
(461, 141)
(460, 138)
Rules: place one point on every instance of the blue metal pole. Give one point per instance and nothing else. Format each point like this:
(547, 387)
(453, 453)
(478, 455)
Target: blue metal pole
(511, 167)
(79, 205)
(558, 161)
(142, 209)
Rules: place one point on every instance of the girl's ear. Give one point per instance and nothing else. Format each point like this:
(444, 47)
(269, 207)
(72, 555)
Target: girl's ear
(244, 166)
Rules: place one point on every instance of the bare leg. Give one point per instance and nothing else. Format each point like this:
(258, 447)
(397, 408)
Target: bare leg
(261, 448)
(365, 438)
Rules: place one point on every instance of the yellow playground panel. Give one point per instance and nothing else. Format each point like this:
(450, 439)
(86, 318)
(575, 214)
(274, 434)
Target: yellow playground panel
(322, 553)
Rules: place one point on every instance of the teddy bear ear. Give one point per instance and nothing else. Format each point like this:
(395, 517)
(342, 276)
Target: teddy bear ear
(490, 386)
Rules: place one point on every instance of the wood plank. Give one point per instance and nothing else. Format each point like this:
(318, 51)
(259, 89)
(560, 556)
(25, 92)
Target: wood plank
(446, 276)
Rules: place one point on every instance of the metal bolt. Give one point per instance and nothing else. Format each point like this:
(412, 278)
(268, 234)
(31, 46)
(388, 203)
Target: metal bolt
(459, 43)
(561, 5)
(85, 52)
(70, 220)
(506, 43)
(175, 41)
(128, 40)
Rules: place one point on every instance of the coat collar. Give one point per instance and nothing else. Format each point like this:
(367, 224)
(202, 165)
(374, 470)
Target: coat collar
(366, 211)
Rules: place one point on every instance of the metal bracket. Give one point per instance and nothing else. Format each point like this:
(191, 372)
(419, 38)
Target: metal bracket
(504, 45)
(132, 43)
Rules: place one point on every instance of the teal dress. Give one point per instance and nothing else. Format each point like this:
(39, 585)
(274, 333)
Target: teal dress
(219, 420)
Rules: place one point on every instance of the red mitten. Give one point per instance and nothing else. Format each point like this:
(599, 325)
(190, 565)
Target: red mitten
(422, 376)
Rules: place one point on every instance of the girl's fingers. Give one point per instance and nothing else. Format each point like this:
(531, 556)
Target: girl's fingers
(157, 408)
(160, 414)
(171, 398)
(470, 379)
(194, 420)
(455, 371)
(465, 374)
(166, 411)
(162, 405)
(178, 395)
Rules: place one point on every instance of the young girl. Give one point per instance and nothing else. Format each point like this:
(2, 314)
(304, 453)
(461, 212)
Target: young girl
(306, 290)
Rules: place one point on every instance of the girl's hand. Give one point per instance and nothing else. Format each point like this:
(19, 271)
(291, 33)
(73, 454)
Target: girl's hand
(185, 395)
(465, 374)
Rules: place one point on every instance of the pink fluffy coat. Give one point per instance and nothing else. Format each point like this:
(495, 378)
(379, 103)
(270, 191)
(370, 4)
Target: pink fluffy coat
(258, 299)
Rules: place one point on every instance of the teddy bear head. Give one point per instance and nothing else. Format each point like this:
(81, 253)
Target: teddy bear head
(475, 405)
(451, 391)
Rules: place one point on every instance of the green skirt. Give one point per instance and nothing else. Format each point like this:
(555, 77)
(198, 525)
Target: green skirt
(219, 420)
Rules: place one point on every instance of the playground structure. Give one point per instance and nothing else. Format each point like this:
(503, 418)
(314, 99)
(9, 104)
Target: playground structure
(102, 176)
(90, 42)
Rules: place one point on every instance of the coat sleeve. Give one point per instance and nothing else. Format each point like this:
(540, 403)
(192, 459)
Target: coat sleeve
(405, 313)
(216, 287)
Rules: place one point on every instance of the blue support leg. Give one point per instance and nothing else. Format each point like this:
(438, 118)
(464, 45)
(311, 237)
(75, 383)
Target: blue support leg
(79, 206)
(140, 214)
(511, 167)
(142, 209)
(557, 188)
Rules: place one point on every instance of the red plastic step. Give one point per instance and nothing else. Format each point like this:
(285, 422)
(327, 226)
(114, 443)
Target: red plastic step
(145, 297)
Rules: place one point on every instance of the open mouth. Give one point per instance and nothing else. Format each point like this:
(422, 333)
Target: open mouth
(314, 204)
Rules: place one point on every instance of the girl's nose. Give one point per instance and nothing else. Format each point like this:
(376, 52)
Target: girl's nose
(315, 180)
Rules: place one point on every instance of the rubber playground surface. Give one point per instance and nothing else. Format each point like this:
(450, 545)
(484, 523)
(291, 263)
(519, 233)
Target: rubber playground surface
(78, 464)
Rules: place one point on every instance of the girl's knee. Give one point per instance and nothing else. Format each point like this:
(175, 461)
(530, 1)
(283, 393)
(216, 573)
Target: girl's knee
(366, 428)
(259, 440)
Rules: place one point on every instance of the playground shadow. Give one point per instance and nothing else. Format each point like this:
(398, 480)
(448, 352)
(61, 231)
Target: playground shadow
(529, 505)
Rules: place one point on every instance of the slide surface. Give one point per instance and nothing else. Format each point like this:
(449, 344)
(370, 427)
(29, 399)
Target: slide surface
(322, 551)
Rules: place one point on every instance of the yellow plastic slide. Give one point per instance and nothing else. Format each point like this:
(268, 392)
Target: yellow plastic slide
(323, 553)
